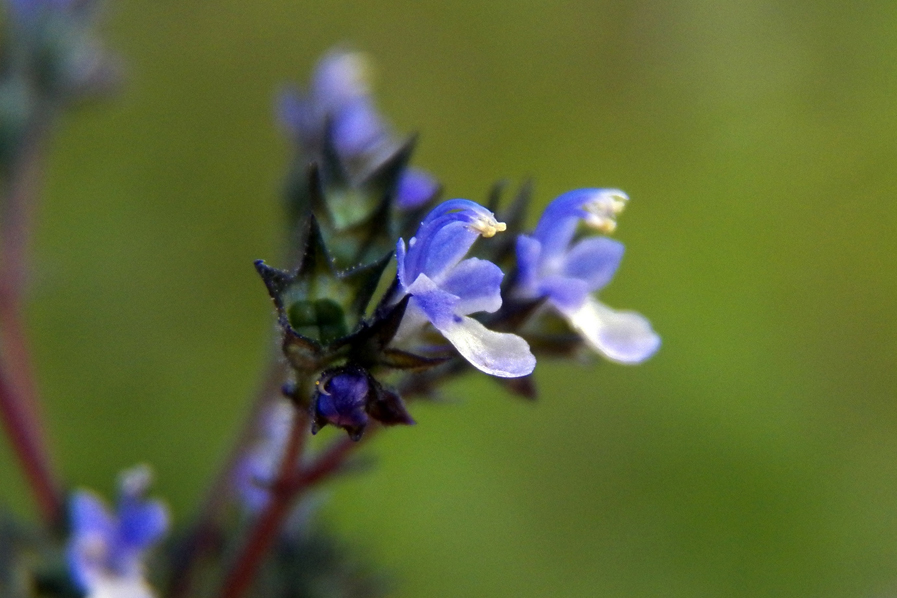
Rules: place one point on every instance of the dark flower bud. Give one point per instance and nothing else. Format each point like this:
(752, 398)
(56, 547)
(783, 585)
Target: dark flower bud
(348, 397)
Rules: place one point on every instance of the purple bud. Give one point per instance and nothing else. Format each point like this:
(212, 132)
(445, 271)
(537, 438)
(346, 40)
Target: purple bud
(341, 398)
(349, 397)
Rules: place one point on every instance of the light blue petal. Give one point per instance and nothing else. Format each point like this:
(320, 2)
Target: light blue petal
(401, 258)
(558, 223)
(621, 336)
(293, 112)
(142, 523)
(443, 238)
(89, 515)
(435, 303)
(448, 246)
(477, 284)
(496, 353)
(93, 532)
(461, 208)
(560, 219)
(594, 261)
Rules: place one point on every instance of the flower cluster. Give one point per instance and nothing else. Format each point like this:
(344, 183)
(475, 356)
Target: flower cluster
(444, 307)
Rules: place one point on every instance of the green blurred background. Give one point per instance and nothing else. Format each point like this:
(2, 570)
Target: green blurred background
(755, 455)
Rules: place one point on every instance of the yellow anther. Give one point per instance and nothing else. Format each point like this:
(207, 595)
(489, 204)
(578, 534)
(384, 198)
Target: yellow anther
(602, 211)
(488, 226)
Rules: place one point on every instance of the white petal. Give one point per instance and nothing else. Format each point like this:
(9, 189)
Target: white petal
(621, 336)
(496, 353)
(121, 587)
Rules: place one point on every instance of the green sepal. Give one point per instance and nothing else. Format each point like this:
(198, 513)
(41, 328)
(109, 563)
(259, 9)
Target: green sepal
(376, 232)
(316, 259)
(364, 280)
(493, 198)
(316, 198)
(303, 353)
(321, 310)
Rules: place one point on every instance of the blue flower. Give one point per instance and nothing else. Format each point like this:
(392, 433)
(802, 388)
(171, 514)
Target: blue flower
(106, 551)
(340, 96)
(550, 264)
(446, 288)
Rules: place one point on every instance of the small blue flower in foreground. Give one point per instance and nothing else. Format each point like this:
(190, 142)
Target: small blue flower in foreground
(445, 288)
(106, 551)
(550, 265)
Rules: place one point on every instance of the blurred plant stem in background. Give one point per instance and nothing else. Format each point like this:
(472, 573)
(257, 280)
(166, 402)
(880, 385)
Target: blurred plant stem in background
(19, 401)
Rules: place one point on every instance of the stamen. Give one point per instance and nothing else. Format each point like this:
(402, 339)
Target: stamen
(488, 226)
(602, 211)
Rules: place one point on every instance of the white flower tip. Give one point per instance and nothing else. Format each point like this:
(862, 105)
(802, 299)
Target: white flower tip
(136, 480)
(603, 209)
(622, 336)
(352, 69)
(121, 587)
(498, 354)
(488, 226)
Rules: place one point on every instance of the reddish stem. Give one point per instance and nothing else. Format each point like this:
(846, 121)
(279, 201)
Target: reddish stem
(269, 522)
(294, 484)
(328, 463)
(30, 455)
(20, 409)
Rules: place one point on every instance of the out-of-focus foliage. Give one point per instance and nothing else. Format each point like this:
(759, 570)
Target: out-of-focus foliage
(755, 455)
